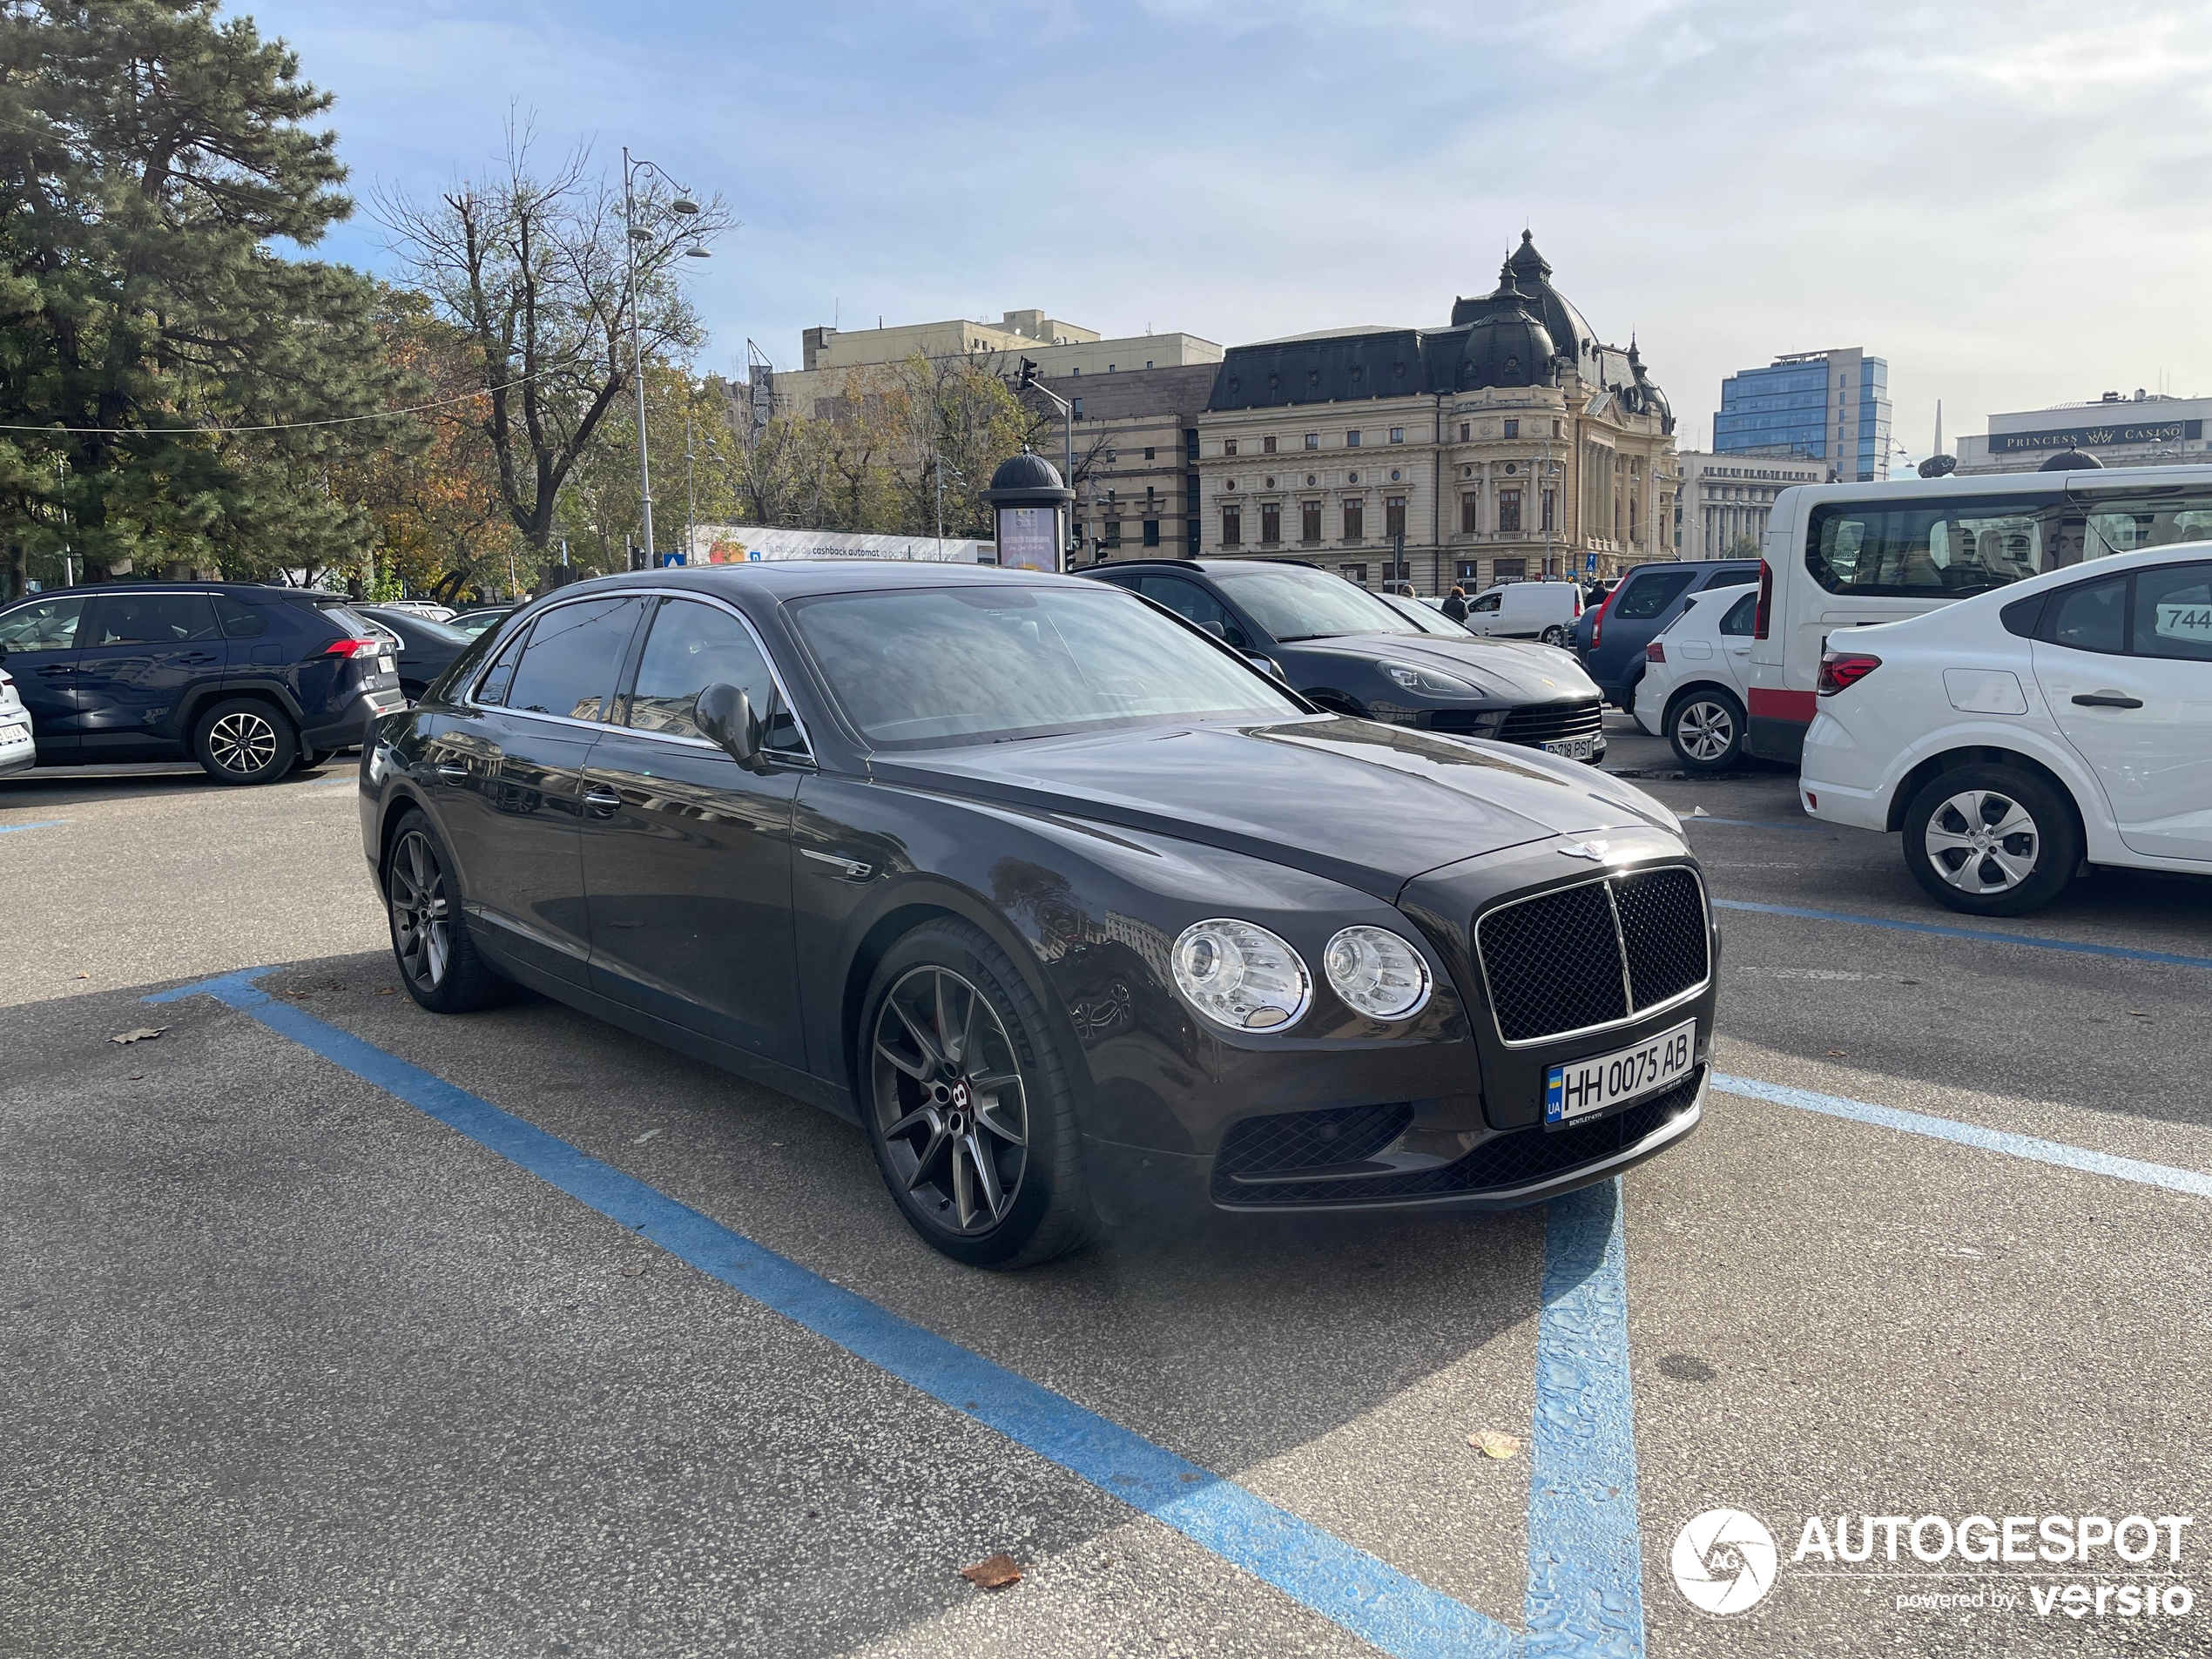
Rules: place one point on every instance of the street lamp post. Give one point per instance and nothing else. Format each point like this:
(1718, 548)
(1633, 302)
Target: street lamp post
(1031, 380)
(631, 168)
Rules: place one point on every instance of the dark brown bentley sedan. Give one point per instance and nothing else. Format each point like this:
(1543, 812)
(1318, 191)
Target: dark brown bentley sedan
(1075, 912)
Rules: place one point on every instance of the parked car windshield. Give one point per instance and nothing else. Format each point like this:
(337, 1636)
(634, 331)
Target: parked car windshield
(924, 668)
(1293, 604)
(1424, 620)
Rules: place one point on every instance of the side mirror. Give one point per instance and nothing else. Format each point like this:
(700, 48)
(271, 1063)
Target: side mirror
(725, 714)
(1266, 664)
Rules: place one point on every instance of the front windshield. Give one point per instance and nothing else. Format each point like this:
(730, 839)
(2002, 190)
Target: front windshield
(1295, 604)
(1424, 620)
(922, 667)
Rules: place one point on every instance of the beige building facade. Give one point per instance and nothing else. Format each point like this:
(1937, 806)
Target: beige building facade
(1510, 444)
(1060, 350)
(1725, 499)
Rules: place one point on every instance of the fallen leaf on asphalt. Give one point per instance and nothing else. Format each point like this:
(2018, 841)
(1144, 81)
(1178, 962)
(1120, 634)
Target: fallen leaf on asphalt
(138, 1076)
(646, 1137)
(139, 1035)
(633, 1272)
(1491, 1443)
(1838, 1054)
(384, 990)
(83, 976)
(994, 1572)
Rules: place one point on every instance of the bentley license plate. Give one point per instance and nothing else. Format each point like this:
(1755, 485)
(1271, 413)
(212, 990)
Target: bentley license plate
(1583, 1087)
(1573, 748)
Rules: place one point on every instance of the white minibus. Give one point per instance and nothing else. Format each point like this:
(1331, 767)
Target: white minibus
(1845, 556)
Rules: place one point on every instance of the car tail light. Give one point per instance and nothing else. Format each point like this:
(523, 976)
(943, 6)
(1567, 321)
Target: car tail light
(1839, 669)
(351, 648)
(1766, 601)
(1655, 652)
(1597, 625)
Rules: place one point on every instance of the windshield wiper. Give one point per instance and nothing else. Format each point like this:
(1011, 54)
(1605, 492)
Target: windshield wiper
(1292, 640)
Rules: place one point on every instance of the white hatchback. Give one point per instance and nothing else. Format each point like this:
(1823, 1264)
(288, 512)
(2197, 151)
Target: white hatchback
(16, 749)
(1696, 679)
(2015, 735)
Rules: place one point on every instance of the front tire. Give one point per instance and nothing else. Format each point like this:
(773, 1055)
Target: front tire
(1554, 634)
(1992, 840)
(1706, 728)
(968, 1103)
(245, 741)
(438, 961)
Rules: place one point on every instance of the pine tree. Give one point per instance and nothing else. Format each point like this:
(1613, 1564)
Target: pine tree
(151, 155)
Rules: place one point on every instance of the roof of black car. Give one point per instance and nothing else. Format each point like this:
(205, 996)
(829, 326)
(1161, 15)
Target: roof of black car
(1209, 567)
(800, 578)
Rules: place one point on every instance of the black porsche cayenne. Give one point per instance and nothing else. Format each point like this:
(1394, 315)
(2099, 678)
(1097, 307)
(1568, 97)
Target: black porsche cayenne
(1074, 912)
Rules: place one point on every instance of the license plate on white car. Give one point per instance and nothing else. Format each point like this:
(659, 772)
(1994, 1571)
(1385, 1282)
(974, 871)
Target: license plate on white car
(1582, 1087)
(15, 734)
(1573, 748)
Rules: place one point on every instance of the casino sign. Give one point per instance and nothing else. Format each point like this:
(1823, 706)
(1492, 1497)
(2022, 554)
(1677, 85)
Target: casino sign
(2094, 438)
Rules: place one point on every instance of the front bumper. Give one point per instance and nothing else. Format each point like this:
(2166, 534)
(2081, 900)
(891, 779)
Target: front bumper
(1137, 1186)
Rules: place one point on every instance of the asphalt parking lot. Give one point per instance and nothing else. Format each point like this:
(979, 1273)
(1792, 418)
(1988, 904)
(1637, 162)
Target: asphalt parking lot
(296, 1363)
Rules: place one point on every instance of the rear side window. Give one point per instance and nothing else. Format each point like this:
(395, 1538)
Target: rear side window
(2092, 617)
(570, 660)
(153, 619)
(240, 620)
(1730, 578)
(691, 647)
(2173, 613)
(1938, 547)
(1649, 595)
(50, 624)
(1741, 615)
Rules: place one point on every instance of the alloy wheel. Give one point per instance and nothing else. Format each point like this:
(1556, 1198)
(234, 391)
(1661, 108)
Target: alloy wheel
(1705, 730)
(422, 918)
(949, 1101)
(1981, 841)
(242, 742)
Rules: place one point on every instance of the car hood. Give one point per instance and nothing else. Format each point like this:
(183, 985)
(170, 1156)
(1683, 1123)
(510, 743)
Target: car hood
(1515, 671)
(1367, 805)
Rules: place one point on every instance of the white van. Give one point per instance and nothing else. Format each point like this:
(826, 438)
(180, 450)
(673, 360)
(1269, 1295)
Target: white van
(1847, 555)
(1545, 610)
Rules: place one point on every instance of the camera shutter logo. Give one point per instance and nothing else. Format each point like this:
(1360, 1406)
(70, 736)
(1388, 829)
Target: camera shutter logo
(1724, 1561)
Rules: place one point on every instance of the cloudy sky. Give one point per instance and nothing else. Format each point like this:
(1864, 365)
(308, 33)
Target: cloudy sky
(2008, 201)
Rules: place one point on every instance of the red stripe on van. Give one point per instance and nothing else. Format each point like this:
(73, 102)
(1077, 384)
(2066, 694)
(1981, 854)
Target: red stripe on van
(1800, 706)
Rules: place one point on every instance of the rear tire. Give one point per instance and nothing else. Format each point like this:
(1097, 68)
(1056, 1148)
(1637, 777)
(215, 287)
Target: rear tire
(1992, 840)
(968, 1103)
(245, 741)
(1706, 727)
(437, 961)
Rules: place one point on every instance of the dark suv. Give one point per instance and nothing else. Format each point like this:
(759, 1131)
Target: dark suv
(1610, 638)
(251, 682)
(1352, 654)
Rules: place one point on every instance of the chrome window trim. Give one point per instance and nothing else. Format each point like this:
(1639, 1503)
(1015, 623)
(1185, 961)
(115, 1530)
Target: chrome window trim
(1635, 1013)
(805, 753)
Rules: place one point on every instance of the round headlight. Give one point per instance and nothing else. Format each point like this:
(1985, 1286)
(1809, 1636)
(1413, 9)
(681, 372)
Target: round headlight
(1377, 973)
(1242, 977)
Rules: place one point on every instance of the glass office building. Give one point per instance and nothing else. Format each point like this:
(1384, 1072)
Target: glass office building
(1829, 406)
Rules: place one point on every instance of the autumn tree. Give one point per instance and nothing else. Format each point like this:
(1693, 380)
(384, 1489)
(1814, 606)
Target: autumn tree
(534, 269)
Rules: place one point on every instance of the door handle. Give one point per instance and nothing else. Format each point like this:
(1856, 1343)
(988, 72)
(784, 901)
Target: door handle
(58, 669)
(602, 800)
(2108, 700)
(453, 772)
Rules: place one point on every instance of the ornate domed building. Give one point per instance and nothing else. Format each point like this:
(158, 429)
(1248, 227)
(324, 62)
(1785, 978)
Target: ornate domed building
(1510, 443)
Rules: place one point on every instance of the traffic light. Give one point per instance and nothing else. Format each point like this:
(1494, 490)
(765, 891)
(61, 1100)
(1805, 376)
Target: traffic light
(1027, 377)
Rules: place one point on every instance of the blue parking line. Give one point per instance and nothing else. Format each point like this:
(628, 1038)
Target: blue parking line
(49, 823)
(1988, 1140)
(1988, 936)
(1585, 1549)
(1345, 1584)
